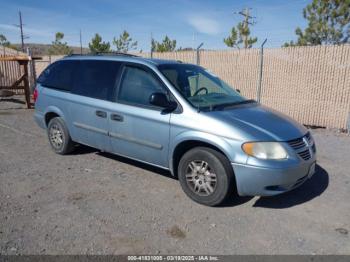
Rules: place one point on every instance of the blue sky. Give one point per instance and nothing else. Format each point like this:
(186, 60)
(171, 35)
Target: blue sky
(190, 22)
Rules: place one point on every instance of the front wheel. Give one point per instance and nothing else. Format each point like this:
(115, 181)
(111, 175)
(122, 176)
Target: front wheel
(59, 137)
(206, 176)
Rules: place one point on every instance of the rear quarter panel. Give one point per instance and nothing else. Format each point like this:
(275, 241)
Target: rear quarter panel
(53, 101)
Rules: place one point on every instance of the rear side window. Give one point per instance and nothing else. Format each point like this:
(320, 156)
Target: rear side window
(97, 79)
(137, 86)
(59, 75)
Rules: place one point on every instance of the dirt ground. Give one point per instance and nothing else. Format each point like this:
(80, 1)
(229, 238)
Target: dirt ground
(96, 203)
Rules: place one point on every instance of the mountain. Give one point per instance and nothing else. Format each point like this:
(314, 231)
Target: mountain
(43, 49)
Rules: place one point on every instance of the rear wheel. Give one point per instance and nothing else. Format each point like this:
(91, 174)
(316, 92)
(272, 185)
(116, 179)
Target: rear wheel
(206, 176)
(59, 137)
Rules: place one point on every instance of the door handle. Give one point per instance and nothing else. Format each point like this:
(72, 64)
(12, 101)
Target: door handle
(101, 114)
(117, 117)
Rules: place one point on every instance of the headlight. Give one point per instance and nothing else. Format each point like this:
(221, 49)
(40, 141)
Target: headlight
(265, 150)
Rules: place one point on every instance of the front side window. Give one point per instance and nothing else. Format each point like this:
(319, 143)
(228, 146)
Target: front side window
(59, 75)
(201, 88)
(97, 79)
(137, 85)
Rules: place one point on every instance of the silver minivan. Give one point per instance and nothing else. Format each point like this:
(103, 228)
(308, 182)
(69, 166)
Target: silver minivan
(177, 116)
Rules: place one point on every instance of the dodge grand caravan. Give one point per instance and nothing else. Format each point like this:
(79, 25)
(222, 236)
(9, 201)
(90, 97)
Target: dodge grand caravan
(176, 116)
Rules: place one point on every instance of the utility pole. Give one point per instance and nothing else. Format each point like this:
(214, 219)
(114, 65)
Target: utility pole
(246, 22)
(81, 44)
(21, 29)
(151, 45)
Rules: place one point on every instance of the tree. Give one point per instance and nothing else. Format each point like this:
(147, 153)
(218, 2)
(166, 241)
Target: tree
(58, 47)
(231, 41)
(167, 45)
(328, 23)
(3, 41)
(240, 35)
(97, 45)
(125, 42)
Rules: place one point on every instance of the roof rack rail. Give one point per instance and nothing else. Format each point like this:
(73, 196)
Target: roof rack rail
(105, 53)
(74, 54)
(115, 53)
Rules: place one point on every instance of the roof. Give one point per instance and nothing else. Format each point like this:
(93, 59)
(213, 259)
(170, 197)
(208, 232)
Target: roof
(123, 57)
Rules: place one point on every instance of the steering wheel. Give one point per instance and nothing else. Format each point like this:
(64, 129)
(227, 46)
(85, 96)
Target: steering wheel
(201, 89)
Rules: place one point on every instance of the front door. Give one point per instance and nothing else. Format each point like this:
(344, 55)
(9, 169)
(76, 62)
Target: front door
(137, 129)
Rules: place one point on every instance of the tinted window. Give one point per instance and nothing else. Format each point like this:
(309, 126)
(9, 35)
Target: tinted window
(97, 79)
(137, 86)
(59, 75)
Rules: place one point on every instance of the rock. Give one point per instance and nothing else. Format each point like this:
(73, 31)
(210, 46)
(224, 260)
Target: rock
(342, 231)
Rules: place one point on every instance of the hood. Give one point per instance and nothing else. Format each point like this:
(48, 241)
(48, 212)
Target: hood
(260, 123)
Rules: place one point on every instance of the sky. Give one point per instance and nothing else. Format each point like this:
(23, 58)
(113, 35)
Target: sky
(190, 22)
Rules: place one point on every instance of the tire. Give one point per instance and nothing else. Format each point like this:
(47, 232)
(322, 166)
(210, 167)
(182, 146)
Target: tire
(207, 162)
(59, 137)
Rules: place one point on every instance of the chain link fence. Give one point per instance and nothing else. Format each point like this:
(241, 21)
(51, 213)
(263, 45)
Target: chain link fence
(310, 84)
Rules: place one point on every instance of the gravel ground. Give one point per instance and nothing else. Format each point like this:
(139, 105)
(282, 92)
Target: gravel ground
(96, 203)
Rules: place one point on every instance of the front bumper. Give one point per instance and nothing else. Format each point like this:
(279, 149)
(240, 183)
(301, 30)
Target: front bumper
(263, 181)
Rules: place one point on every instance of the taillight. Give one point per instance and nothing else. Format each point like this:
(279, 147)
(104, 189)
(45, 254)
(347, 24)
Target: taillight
(35, 95)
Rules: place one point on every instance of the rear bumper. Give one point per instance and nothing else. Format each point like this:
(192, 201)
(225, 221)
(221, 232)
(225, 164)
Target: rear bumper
(40, 119)
(261, 181)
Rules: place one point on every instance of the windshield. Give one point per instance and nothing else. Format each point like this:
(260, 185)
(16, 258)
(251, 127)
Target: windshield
(201, 88)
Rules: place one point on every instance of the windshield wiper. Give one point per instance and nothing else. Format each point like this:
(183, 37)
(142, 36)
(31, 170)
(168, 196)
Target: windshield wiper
(222, 106)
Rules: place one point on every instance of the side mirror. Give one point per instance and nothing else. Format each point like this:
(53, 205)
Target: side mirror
(160, 99)
(239, 91)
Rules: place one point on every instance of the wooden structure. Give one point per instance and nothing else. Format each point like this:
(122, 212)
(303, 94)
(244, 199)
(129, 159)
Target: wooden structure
(14, 75)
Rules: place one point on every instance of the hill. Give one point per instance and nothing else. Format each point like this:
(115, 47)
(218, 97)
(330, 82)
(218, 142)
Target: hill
(43, 49)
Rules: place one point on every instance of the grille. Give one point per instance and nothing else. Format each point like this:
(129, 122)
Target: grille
(305, 154)
(301, 147)
(308, 137)
(297, 143)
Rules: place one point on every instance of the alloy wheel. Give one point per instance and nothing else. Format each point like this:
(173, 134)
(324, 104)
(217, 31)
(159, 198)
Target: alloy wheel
(200, 178)
(56, 136)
